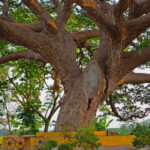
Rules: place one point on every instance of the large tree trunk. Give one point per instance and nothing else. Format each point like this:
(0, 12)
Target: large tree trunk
(80, 105)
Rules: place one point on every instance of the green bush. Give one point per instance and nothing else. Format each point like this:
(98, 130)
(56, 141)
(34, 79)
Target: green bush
(86, 138)
(142, 133)
(67, 146)
(125, 131)
(48, 145)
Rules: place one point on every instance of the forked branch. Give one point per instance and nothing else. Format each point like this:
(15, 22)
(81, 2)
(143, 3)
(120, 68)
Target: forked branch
(41, 13)
(121, 7)
(94, 11)
(65, 13)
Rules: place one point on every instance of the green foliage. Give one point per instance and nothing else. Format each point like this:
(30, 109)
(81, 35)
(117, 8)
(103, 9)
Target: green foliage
(101, 124)
(48, 145)
(143, 42)
(124, 131)
(67, 146)
(78, 21)
(142, 133)
(86, 138)
(66, 134)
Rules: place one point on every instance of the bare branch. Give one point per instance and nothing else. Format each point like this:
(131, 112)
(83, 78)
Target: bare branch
(41, 13)
(26, 54)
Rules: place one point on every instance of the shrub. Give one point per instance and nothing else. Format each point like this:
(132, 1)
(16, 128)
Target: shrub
(67, 146)
(100, 124)
(86, 138)
(142, 133)
(48, 145)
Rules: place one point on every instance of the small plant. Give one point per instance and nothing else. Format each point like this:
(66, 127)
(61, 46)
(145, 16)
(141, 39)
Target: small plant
(142, 133)
(86, 138)
(125, 131)
(66, 134)
(67, 146)
(100, 124)
(48, 145)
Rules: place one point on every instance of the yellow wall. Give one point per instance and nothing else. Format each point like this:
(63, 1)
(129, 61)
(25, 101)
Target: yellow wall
(105, 140)
(116, 140)
(1, 138)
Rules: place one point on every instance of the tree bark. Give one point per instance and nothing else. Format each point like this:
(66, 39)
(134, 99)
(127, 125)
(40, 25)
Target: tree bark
(46, 127)
(79, 106)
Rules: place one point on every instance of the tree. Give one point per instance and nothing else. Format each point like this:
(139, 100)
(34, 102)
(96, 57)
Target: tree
(26, 84)
(128, 103)
(48, 40)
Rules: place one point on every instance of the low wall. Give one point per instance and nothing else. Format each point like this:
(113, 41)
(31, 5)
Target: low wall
(1, 138)
(105, 140)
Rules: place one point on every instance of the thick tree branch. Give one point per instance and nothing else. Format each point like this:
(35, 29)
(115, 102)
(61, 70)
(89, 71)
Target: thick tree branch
(65, 13)
(135, 78)
(136, 27)
(120, 20)
(36, 27)
(58, 5)
(121, 7)
(131, 60)
(41, 13)
(140, 21)
(138, 9)
(85, 35)
(98, 16)
(5, 7)
(20, 35)
(25, 54)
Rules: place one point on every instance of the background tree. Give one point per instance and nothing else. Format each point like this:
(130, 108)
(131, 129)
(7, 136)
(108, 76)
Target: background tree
(26, 85)
(121, 27)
